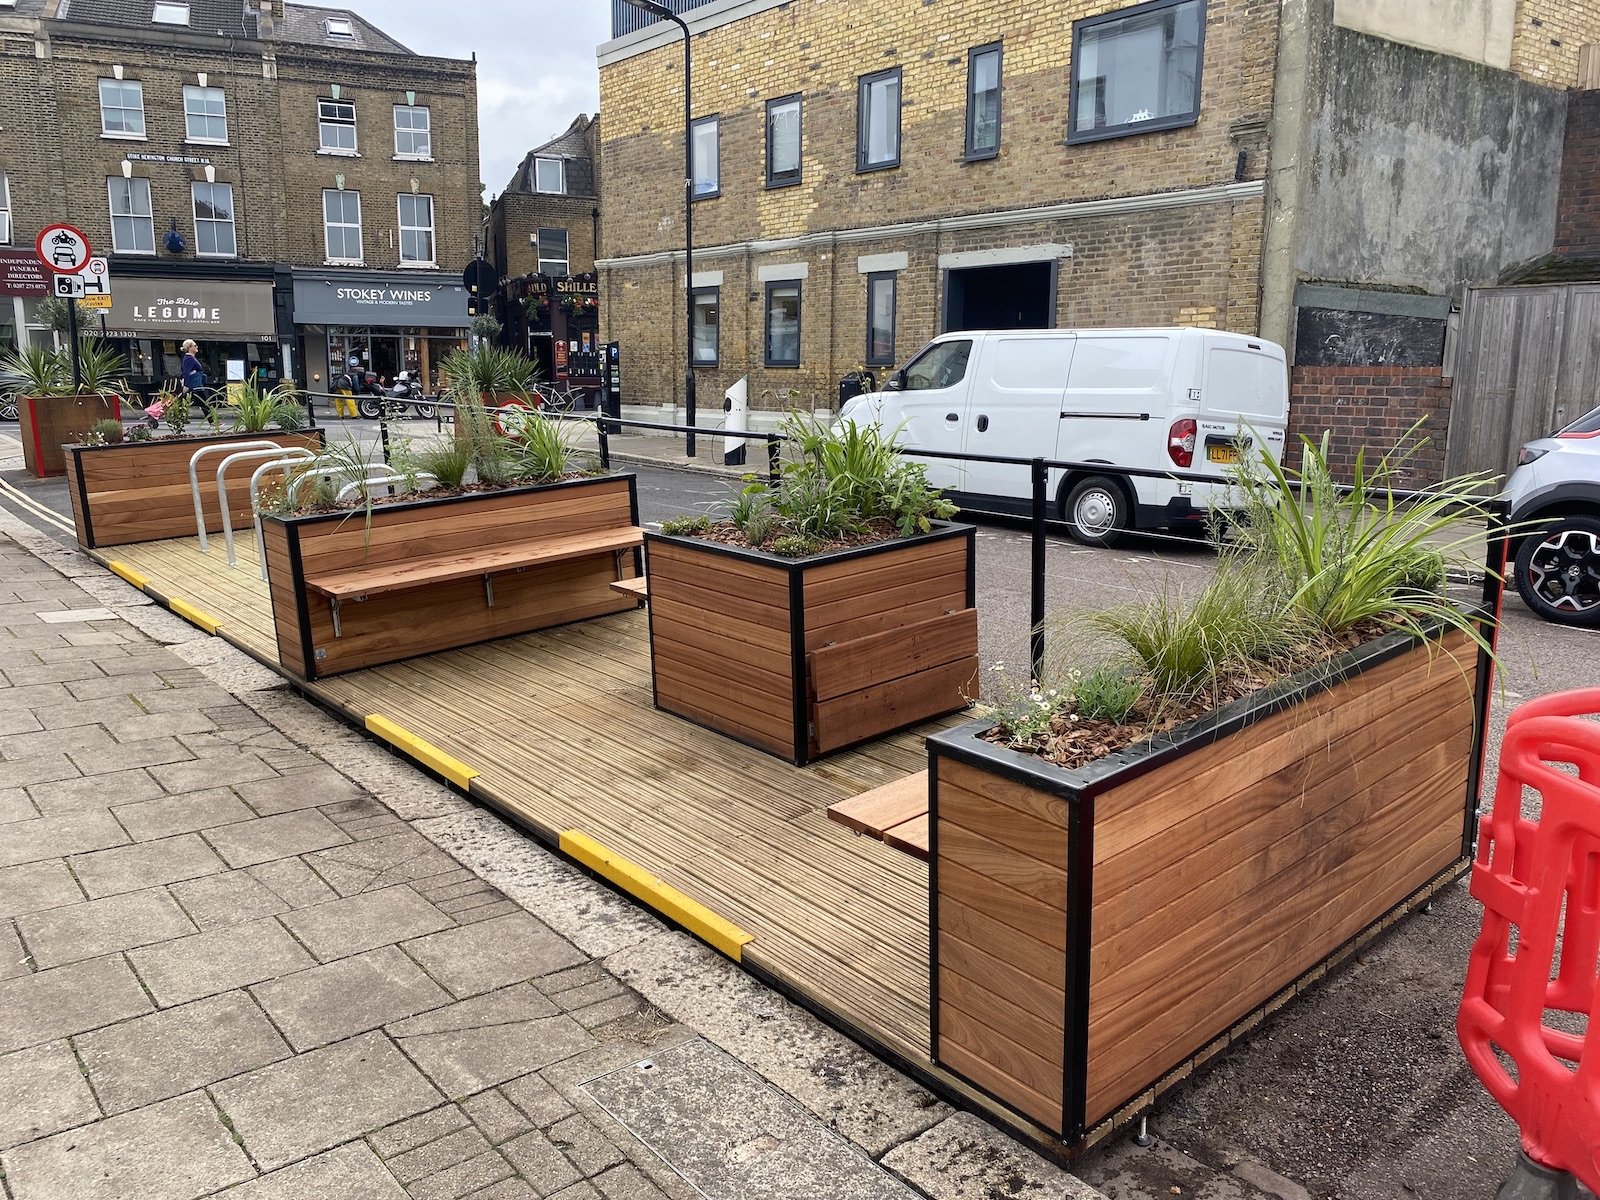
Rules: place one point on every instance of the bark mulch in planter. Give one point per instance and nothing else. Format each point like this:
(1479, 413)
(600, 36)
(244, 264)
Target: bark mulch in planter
(139, 491)
(353, 589)
(801, 657)
(1094, 929)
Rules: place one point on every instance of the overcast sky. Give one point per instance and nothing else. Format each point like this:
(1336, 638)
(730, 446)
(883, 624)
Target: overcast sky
(536, 67)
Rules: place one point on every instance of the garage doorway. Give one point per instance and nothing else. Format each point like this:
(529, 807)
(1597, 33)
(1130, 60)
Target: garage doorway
(1014, 296)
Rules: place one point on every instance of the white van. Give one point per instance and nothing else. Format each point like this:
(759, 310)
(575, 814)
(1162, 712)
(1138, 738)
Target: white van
(1182, 400)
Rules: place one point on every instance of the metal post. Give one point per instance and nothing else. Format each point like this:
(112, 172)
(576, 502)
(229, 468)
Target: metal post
(383, 427)
(774, 460)
(1036, 608)
(688, 242)
(603, 433)
(311, 410)
(72, 336)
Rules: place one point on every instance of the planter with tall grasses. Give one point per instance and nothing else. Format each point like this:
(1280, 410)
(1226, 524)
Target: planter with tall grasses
(832, 611)
(492, 536)
(133, 486)
(1295, 760)
(51, 410)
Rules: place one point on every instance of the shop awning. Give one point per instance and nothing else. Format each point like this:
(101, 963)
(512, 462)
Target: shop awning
(203, 309)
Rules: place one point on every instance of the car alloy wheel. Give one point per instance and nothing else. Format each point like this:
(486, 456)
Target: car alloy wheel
(1558, 572)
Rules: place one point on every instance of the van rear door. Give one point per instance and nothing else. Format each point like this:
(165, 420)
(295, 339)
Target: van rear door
(1015, 408)
(1244, 402)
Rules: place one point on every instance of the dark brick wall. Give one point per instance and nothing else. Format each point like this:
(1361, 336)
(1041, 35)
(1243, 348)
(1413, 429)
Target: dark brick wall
(1371, 408)
(1578, 208)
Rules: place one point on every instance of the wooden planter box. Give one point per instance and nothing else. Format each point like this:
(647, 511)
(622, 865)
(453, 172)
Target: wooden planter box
(139, 491)
(572, 528)
(1094, 929)
(47, 422)
(801, 657)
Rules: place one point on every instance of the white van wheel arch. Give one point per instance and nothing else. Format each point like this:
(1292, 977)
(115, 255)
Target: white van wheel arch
(1097, 509)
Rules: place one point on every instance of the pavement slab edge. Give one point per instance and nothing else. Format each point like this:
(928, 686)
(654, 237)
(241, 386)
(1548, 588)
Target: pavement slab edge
(492, 1098)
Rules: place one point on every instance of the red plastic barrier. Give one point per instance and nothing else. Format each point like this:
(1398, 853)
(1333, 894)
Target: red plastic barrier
(1531, 981)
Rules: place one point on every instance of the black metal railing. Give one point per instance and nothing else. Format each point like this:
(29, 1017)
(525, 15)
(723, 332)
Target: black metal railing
(626, 18)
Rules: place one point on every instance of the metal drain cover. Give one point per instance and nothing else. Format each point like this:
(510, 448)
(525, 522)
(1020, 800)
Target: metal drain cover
(731, 1135)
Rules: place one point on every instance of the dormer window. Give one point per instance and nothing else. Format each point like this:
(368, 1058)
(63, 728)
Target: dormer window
(339, 27)
(550, 175)
(170, 14)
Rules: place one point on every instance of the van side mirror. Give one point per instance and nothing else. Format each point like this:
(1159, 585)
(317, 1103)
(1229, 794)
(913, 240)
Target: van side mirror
(896, 382)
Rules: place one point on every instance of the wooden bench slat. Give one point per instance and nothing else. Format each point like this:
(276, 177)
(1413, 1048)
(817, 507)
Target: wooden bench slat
(884, 807)
(382, 578)
(910, 836)
(637, 586)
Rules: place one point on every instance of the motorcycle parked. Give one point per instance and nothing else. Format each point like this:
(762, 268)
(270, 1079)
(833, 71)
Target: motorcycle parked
(408, 389)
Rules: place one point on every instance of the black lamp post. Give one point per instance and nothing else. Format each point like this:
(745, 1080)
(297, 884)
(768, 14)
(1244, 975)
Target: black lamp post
(661, 10)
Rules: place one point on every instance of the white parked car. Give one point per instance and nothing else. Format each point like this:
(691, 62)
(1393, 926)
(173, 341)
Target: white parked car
(1169, 400)
(1556, 488)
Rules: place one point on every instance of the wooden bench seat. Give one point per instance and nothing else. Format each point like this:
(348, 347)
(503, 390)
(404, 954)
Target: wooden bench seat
(896, 814)
(637, 586)
(356, 582)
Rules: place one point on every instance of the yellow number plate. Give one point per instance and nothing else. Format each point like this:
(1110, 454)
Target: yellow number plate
(1222, 454)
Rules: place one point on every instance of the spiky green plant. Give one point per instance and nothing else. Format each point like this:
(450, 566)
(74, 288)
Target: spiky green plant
(256, 408)
(101, 368)
(36, 371)
(488, 370)
(447, 461)
(543, 448)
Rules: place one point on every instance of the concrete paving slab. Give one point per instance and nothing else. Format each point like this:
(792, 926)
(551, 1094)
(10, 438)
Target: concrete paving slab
(370, 863)
(172, 815)
(176, 1150)
(462, 1179)
(218, 961)
(344, 927)
(145, 864)
(419, 1130)
(13, 958)
(537, 1100)
(167, 1053)
(285, 836)
(96, 927)
(351, 1172)
(461, 1062)
(57, 837)
(94, 792)
(491, 954)
(37, 885)
(320, 1099)
(217, 771)
(299, 789)
(496, 1117)
(296, 884)
(83, 740)
(349, 996)
(520, 1002)
(541, 1163)
(42, 1092)
(151, 753)
(68, 1000)
(448, 1151)
(15, 806)
(43, 769)
(231, 898)
(733, 1136)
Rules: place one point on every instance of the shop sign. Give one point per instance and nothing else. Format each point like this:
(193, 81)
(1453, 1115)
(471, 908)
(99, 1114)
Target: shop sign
(191, 160)
(577, 287)
(22, 274)
(197, 308)
(343, 301)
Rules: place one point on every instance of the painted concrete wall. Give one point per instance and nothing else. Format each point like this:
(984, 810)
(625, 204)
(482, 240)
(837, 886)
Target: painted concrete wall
(1478, 30)
(1427, 171)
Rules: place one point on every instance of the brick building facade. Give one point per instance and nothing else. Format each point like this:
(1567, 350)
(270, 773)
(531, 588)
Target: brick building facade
(543, 232)
(1091, 163)
(231, 158)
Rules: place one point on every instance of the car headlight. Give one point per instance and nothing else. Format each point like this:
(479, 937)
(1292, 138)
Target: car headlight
(1529, 454)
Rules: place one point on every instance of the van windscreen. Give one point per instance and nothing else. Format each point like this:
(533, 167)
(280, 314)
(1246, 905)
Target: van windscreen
(1243, 383)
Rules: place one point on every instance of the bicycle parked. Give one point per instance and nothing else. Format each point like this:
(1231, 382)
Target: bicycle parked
(557, 398)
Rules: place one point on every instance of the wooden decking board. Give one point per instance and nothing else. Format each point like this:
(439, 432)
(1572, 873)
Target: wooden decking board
(561, 727)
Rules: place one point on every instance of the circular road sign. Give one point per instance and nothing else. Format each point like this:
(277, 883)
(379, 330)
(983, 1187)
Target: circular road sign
(63, 249)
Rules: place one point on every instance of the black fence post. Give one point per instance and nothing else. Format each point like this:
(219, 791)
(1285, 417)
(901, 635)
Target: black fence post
(311, 410)
(383, 428)
(603, 433)
(774, 460)
(1036, 609)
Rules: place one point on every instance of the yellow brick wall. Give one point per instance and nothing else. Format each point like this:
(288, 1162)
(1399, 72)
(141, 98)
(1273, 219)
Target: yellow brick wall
(1549, 35)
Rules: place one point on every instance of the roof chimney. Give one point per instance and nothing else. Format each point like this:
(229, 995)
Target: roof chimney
(267, 20)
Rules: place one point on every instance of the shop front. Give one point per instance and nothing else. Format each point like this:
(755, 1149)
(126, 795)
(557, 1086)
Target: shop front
(231, 320)
(382, 322)
(564, 330)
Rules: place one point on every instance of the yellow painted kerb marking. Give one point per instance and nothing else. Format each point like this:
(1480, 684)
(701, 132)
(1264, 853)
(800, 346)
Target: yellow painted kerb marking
(699, 920)
(426, 753)
(194, 616)
(121, 568)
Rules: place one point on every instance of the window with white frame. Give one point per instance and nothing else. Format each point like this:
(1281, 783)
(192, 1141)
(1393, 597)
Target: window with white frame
(339, 27)
(706, 140)
(553, 258)
(132, 229)
(413, 131)
(341, 225)
(121, 108)
(213, 220)
(416, 229)
(5, 210)
(169, 14)
(205, 114)
(550, 176)
(336, 126)
(1137, 71)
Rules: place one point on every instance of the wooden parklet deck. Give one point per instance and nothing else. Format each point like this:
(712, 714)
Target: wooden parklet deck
(560, 727)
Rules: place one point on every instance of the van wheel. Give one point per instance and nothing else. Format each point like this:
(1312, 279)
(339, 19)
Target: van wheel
(1096, 512)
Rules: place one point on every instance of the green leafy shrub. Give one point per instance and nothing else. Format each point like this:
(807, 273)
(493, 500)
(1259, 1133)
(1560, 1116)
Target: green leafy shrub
(104, 433)
(685, 526)
(752, 514)
(1107, 693)
(794, 545)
